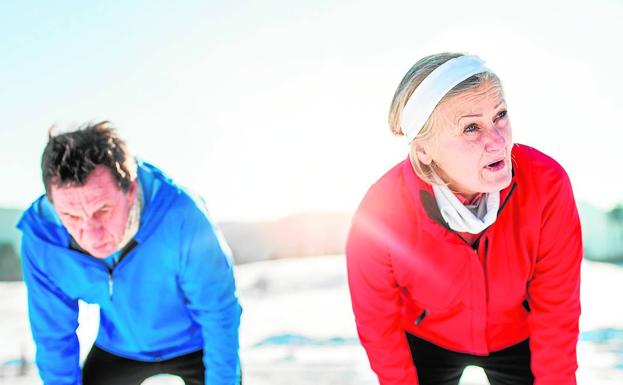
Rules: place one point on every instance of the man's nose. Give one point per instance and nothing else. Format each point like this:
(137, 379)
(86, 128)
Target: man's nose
(92, 229)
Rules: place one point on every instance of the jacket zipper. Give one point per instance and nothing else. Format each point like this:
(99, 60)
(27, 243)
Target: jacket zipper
(477, 241)
(111, 283)
(486, 245)
(484, 266)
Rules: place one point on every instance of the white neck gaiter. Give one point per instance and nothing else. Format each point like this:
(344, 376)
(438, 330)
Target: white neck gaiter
(463, 219)
(134, 217)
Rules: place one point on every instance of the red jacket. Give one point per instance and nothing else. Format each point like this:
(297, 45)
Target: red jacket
(407, 271)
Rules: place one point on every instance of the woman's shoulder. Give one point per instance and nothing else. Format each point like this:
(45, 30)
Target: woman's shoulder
(386, 197)
(537, 168)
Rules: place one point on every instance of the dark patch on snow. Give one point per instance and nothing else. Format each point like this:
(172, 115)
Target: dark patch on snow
(608, 340)
(299, 340)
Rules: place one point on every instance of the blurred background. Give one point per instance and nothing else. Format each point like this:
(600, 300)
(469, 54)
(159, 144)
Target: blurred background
(275, 112)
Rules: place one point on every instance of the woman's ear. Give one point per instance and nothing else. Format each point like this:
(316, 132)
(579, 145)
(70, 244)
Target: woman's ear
(421, 151)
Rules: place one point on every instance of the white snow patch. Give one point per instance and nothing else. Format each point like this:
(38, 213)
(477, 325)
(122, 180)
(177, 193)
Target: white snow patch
(298, 327)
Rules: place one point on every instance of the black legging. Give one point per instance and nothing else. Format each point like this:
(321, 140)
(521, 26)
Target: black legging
(103, 368)
(438, 366)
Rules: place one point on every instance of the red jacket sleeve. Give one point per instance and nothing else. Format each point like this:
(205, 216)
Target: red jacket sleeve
(554, 289)
(375, 299)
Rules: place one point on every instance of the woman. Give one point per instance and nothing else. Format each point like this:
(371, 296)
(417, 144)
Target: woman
(468, 252)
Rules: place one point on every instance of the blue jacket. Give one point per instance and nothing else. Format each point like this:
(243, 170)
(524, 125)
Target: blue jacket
(172, 294)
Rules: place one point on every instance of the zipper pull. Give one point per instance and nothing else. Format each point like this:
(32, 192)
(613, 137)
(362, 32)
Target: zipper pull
(110, 285)
(421, 317)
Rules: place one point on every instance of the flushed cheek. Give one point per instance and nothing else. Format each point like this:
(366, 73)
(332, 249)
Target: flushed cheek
(471, 166)
(463, 166)
(117, 232)
(74, 231)
(122, 222)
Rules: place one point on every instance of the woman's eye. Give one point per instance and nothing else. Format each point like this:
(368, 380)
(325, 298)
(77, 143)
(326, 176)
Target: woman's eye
(471, 128)
(502, 114)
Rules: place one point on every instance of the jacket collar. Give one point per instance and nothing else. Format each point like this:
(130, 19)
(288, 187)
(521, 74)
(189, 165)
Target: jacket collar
(421, 193)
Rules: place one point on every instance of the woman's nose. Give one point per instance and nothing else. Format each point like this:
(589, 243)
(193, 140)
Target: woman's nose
(496, 140)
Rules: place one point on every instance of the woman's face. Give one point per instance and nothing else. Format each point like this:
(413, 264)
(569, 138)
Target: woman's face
(471, 142)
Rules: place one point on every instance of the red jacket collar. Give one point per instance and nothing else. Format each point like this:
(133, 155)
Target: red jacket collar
(421, 193)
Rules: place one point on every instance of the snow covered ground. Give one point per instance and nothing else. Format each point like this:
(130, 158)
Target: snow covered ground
(298, 328)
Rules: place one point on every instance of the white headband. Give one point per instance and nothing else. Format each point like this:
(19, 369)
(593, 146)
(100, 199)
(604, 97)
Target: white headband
(433, 88)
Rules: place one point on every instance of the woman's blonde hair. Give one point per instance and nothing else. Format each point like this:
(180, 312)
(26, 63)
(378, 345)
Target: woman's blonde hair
(410, 82)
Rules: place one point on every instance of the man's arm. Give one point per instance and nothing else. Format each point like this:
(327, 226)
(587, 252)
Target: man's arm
(207, 280)
(53, 321)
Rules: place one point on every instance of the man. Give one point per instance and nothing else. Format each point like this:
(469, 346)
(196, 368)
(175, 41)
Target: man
(117, 232)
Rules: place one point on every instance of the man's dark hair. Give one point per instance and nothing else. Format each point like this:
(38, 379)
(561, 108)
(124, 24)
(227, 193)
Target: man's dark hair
(69, 158)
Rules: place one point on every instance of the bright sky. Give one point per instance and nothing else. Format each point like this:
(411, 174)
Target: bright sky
(272, 107)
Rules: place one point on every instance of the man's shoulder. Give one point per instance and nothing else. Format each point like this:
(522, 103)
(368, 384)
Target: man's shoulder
(157, 186)
(40, 221)
(167, 201)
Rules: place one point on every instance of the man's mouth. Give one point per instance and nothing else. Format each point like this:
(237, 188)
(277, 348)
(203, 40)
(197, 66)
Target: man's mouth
(100, 246)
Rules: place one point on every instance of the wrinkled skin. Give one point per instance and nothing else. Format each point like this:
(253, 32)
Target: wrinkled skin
(471, 132)
(95, 214)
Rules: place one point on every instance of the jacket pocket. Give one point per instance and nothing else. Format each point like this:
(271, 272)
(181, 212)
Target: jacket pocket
(421, 317)
(416, 313)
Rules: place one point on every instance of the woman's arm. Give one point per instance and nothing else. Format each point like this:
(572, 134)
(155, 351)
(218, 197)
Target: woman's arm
(375, 299)
(554, 289)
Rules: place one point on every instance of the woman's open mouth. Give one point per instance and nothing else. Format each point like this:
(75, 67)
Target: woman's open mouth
(496, 166)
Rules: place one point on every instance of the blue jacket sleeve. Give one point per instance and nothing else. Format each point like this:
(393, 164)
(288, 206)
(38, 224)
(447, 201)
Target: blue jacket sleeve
(207, 280)
(53, 321)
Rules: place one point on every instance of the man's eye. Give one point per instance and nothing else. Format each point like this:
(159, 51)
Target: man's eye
(471, 128)
(101, 212)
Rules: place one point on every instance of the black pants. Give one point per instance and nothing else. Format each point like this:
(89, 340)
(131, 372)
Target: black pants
(103, 368)
(438, 366)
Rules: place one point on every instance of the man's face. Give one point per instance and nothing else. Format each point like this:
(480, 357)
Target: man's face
(96, 213)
